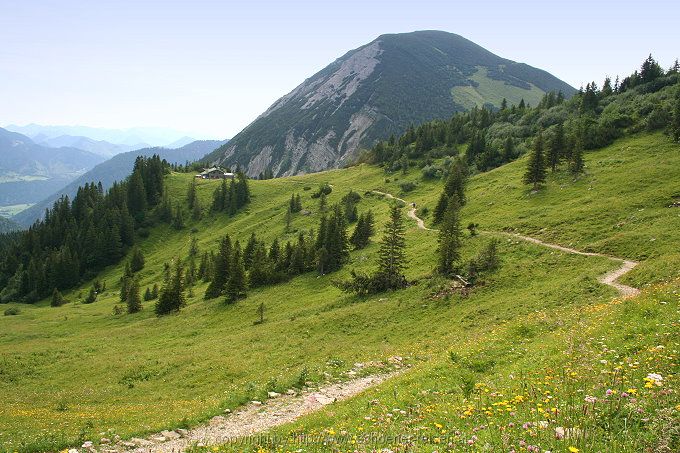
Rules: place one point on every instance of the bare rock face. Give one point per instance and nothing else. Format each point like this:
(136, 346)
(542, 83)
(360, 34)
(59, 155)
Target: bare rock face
(368, 94)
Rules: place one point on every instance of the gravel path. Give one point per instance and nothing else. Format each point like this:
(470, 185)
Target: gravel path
(254, 418)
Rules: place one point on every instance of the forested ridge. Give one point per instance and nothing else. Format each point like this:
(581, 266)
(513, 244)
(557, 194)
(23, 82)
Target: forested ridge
(78, 238)
(646, 100)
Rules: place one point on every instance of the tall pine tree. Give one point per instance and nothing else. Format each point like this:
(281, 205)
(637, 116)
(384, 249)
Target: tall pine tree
(392, 261)
(535, 173)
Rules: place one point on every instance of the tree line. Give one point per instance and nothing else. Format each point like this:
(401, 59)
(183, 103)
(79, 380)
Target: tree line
(594, 117)
(233, 269)
(76, 239)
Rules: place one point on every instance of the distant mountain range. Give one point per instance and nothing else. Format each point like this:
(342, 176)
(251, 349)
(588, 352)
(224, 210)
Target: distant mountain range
(29, 172)
(136, 138)
(377, 90)
(116, 169)
(101, 147)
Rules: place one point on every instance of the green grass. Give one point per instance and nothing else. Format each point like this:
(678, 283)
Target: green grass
(490, 91)
(69, 373)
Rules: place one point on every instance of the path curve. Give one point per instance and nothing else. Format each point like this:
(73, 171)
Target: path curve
(253, 418)
(411, 211)
(610, 278)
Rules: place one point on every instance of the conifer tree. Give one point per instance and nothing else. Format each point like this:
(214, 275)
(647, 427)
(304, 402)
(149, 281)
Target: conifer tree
(171, 298)
(136, 195)
(232, 200)
(557, 147)
(363, 231)
(237, 283)
(508, 150)
(577, 164)
(191, 193)
(91, 296)
(249, 251)
(196, 210)
(155, 291)
(221, 270)
(137, 260)
(274, 251)
(134, 303)
(535, 173)
(57, 299)
(392, 261)
(288, 218)
(219, 202)
(454, 187)
(147, 294)
(178, 218)
(450, 235)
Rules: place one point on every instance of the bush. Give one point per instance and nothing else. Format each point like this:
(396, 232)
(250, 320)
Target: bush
(324, 189)
(407, 186)
(12, 311)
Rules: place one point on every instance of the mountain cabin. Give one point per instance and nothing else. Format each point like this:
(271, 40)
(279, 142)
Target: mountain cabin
(215, 173)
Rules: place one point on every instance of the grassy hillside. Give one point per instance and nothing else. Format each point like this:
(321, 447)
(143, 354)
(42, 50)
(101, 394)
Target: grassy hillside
(69, 373)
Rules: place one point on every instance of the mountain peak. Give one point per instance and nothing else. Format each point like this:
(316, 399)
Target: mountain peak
(377, 90)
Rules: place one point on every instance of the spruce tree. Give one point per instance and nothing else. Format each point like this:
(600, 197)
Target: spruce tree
(449, 240)
(557, 147)
(577, 164)
(508, 150)
(136, 195)
(440, 208)
(171, 298)
(232, 200)
(196, 210)
(91, 297)
(191, 194)
(134, 303)
(178, 219)
(155, 291)
(288, 218)
(392, 261)
(221, 271)
(137, 260)
(57, 299)
(237, 283)
(147, 294)
(535, 173)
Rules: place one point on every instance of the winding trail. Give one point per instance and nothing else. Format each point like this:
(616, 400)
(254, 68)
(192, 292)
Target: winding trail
(258, 417)
(610, 278)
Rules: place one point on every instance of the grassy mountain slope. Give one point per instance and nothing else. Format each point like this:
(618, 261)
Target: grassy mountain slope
(377, 90)
(152, 373)
(115, 169)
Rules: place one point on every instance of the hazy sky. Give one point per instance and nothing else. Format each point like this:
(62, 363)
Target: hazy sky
(210, 67)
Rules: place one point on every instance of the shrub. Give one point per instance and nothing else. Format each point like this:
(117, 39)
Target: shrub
(12, 311)
(407, 186)
(324, 189)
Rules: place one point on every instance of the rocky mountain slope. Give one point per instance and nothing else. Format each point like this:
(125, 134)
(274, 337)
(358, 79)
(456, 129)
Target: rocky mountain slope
(377, 90)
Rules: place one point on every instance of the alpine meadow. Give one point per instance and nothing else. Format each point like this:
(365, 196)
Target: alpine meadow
(424, 247)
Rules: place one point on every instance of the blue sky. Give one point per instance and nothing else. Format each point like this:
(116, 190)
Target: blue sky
(210, 67)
